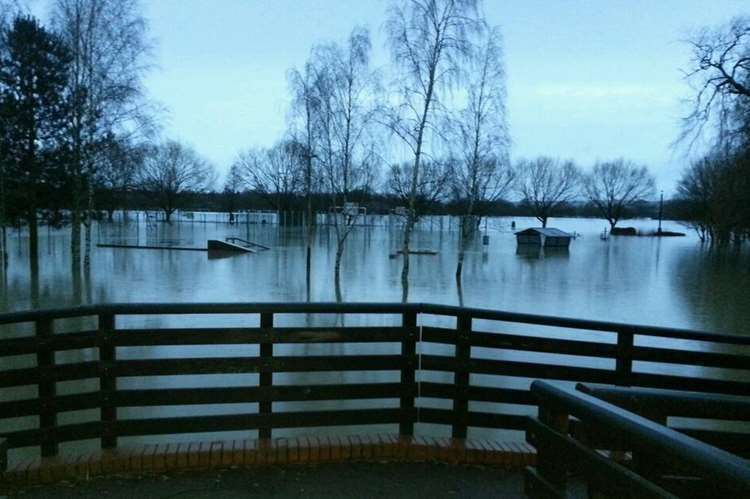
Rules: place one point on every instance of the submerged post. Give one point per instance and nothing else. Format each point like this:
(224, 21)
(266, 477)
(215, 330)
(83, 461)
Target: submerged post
(408, 354)
(45, 359)
(265, 378)
(624, 364)
(3, 455)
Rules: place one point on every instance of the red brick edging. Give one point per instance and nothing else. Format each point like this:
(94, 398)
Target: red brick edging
(160, 458)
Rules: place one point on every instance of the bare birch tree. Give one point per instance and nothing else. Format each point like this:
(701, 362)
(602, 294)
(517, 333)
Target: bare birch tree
(483, 170)
(110, 48)
(346, 87)
(545, 183)
(305, 117)
(429, 41)
(614, 186)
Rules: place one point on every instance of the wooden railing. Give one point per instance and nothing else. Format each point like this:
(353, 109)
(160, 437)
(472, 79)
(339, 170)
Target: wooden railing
(479, 342)
(666, 407)
(664, 464)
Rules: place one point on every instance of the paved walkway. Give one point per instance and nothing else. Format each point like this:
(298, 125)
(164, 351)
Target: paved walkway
(360, 480)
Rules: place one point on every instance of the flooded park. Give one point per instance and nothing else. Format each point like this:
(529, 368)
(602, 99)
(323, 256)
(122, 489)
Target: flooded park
(675, 282)
(426, 234)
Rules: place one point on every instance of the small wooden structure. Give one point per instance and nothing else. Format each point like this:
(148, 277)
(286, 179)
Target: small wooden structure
(547, 237)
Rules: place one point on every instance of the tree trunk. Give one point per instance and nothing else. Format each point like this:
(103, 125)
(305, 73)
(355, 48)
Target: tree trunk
(33, 257)
(75, 233)
(405, 253)
(87, 238)
(5, 247)
(33, 238)
(337, 265)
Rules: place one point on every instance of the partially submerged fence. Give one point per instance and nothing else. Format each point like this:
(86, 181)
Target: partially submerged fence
(477, 358)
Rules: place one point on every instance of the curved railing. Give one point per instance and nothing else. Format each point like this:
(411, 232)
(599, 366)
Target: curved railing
(664, 463)
(483, 363)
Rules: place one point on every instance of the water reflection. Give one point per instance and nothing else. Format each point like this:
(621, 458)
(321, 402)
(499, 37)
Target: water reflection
(715, 285)
(672, 282)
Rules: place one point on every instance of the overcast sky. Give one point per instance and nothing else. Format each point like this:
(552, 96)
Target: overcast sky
(587, 79)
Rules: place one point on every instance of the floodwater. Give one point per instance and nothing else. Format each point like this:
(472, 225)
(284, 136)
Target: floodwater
(672, 282)
(659, 281)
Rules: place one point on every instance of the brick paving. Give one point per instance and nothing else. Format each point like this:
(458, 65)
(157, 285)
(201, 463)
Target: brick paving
(214, 455)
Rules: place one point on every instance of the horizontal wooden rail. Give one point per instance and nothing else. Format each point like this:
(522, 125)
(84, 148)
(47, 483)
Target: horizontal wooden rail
(271, 352)
(660, 405)
(719, 471)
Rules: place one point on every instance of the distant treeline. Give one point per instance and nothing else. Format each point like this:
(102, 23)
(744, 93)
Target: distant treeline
(374, 203)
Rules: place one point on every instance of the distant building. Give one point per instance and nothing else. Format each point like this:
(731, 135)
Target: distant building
(547, 237)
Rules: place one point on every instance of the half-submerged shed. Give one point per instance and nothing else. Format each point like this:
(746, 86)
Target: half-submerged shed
(546, 237)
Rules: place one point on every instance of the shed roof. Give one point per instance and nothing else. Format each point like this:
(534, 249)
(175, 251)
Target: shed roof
(546, 232)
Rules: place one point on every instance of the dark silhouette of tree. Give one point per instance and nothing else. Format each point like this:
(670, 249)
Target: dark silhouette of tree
(720, 75)
(546, 183)
(615, 186)
(714, 191)
(173, 171)
(234, 185)
(120, 165)
(33, 112)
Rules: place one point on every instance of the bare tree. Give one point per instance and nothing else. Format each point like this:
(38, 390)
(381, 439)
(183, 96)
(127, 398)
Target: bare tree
(346, 89)
(720, 76)
(614, 186)
(275, 173)
(433, 184)
(714, 191)
(234, 185)
(118, 172)
(545, 183)
(482, 171)
(429, 41)
(305, 118)
(172, 171)
(110, 48)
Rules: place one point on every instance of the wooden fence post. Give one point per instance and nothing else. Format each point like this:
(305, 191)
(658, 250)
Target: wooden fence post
(550, 464)
(45, 360)
(265, 407)
(409, 355)
(461, 375)
(624, 364)
(107, 382)
(3, 455)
